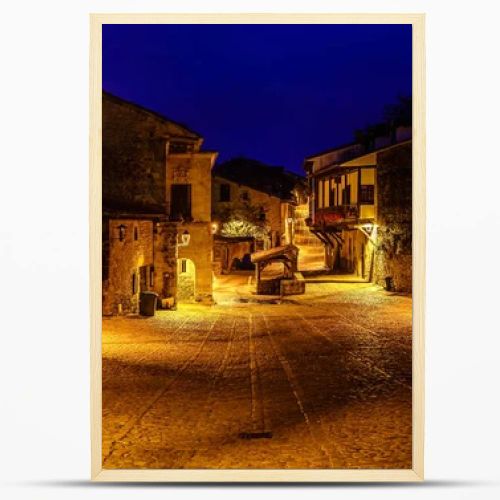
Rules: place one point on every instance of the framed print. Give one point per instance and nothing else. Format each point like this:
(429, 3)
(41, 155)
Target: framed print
(257, 192)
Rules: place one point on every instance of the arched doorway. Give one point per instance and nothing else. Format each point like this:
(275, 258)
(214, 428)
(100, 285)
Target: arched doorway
(186, 279)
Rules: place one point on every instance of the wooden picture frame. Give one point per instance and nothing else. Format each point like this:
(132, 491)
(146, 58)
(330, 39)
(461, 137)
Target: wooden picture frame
(260, 475)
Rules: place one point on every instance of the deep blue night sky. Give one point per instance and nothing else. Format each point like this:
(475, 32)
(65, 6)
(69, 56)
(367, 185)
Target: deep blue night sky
(275, 93)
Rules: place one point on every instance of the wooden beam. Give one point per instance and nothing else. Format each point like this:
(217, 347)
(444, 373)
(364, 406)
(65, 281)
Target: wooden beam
(368, 236)
(338, 238)
(320, 236)
(329, 236)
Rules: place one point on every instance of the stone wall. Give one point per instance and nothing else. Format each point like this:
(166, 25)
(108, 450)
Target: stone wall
(241, 195)
(165, 260)
(295, 286)
(147, 251)
(129, 262)
(134, 150)
(226, 251)
(195, 169)
(269, 286)
(186, 281)
(139, 167)
(200, 252)
(394, 217)
(355, 255)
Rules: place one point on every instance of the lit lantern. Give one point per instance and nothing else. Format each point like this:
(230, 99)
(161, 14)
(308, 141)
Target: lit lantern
(185, 238)
(368, 228)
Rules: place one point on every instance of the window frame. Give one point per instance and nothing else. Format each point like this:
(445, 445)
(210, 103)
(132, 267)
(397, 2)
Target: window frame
(176, 214)
(366, 200)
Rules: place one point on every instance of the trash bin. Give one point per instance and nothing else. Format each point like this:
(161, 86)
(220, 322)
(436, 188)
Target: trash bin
(147, 303)
(389, 284)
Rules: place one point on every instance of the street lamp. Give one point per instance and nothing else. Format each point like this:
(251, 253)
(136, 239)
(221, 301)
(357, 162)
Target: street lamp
(185, 238)
(370, 231)
(368, 227)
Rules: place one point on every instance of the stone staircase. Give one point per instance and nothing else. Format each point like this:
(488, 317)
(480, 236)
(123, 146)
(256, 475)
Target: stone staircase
(311, 250)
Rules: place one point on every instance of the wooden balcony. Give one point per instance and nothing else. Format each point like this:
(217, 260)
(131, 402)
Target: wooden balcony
(332, 216)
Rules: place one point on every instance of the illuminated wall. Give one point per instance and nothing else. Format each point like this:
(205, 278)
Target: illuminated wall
(194, 170)
(129, 264)
(240, 194)
(394, 217)
(138, 255)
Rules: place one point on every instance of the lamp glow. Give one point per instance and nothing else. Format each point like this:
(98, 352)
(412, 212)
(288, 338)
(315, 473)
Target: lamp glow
(185, 238)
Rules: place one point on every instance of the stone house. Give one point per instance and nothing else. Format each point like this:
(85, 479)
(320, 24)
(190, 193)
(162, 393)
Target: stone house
(189, 204)
(361, 209)
(274, 214)
(156, 208)
(139, 254)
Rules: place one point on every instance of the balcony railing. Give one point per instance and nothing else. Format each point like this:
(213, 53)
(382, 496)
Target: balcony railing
(335, 215)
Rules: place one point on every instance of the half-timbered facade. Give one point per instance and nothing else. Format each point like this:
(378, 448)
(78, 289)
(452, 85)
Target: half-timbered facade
(352, 204)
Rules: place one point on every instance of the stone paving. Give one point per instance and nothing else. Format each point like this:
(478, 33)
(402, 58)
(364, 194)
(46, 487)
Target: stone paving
(320, 381)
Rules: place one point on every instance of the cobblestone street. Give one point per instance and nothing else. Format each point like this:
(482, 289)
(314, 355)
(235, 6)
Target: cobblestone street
(322, 380)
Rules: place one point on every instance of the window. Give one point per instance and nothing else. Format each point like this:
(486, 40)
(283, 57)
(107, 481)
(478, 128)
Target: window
(244, 196)
(134, 284)
(225, 192)
(136, 234)
(183, 266)
(180, 147)
(121, 232)
(367, 194)
(180, 201)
